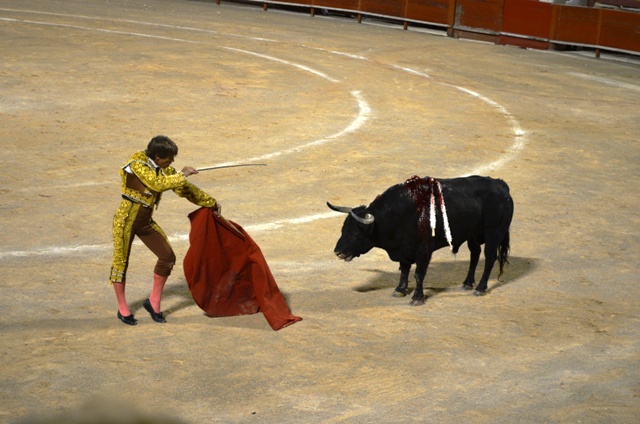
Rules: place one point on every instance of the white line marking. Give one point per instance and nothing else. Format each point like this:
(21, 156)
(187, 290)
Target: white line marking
(364, 111)
(55, 251)
(291, 221)
(100, 248)
(349, 55)
(606, 81)
(519, 135)
(269, 226)
(129, 21)
(363, 115)
(286, 62)
(68, 186)
(108, 31)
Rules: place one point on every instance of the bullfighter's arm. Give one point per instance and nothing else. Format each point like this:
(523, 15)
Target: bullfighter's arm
(195, 195)
(158, 181)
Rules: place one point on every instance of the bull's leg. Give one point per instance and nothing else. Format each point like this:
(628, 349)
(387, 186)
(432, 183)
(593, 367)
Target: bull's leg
(403, 285)
(421, 271)
(490, 256)
(475, 249)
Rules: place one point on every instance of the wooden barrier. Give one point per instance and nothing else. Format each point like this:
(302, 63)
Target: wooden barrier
(435, 12)
(576, 26)
(394, 9)
(479, 15)
(345, 5)
(619, 31)
(525, 23)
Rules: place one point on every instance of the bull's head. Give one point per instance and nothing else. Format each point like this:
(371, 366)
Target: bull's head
(356, 232)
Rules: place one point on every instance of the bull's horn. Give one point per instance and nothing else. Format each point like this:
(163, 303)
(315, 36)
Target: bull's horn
(342, 209)
(368, 218)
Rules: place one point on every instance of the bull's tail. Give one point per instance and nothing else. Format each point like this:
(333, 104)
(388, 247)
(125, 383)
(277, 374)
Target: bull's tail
(503, 252)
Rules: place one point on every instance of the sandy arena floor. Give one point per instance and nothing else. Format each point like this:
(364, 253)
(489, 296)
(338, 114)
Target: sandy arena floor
(338, 111)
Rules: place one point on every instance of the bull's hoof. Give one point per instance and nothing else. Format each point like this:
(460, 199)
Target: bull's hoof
(416, 302)
(397, 293)
(479, 293)
(465, 287)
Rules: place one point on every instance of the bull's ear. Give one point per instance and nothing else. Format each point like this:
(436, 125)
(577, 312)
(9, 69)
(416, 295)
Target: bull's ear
(342, 209)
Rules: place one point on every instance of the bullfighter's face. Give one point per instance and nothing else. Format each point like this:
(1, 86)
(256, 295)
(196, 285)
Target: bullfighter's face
(163, 162)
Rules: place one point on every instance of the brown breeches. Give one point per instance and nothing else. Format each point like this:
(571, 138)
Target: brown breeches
(145, 228)
(154, 238)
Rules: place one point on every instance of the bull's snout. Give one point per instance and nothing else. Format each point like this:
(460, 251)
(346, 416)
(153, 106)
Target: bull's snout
(343, 256)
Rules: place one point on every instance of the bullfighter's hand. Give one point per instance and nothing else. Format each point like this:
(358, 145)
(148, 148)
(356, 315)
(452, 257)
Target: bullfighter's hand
(217, 208)
(189, 170)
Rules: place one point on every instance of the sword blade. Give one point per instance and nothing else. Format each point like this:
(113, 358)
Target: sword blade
(229, 166)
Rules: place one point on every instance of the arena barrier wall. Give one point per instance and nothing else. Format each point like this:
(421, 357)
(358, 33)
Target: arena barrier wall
(524, 23)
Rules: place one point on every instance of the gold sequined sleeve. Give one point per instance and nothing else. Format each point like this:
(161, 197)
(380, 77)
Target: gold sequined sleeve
(158, 181)
(195, 195)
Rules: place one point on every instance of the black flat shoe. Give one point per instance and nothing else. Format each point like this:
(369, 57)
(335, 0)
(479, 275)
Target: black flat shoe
(129, 319)
(157, 317)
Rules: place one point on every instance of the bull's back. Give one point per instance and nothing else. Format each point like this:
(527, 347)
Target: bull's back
(476, 203)
(473, 204)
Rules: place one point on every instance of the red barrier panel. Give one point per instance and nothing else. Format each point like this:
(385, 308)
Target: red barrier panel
(620, 30)
(383, 7)
(526, 23)
(575, 25)
(482, 15)
(432, 11)
(527, 17)
(337, 4)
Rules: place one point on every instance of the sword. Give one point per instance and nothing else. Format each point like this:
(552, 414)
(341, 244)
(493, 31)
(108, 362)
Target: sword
(229, 166)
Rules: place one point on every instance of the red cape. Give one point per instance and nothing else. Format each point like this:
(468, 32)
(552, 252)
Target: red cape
(227, 274)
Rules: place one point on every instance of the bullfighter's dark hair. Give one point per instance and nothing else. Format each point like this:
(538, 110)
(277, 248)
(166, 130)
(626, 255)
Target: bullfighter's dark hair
(162, 146)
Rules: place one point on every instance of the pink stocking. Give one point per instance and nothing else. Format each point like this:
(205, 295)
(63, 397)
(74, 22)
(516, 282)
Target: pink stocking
(156, 292)
(120, 297)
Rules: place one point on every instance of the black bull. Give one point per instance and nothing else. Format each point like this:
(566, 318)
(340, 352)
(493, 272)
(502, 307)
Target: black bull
(479, 211)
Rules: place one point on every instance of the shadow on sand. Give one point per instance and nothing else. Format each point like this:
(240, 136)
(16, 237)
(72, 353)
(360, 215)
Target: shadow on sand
(448, 276)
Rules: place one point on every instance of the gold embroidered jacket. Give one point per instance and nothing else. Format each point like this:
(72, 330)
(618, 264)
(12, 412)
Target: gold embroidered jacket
(157, 180)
